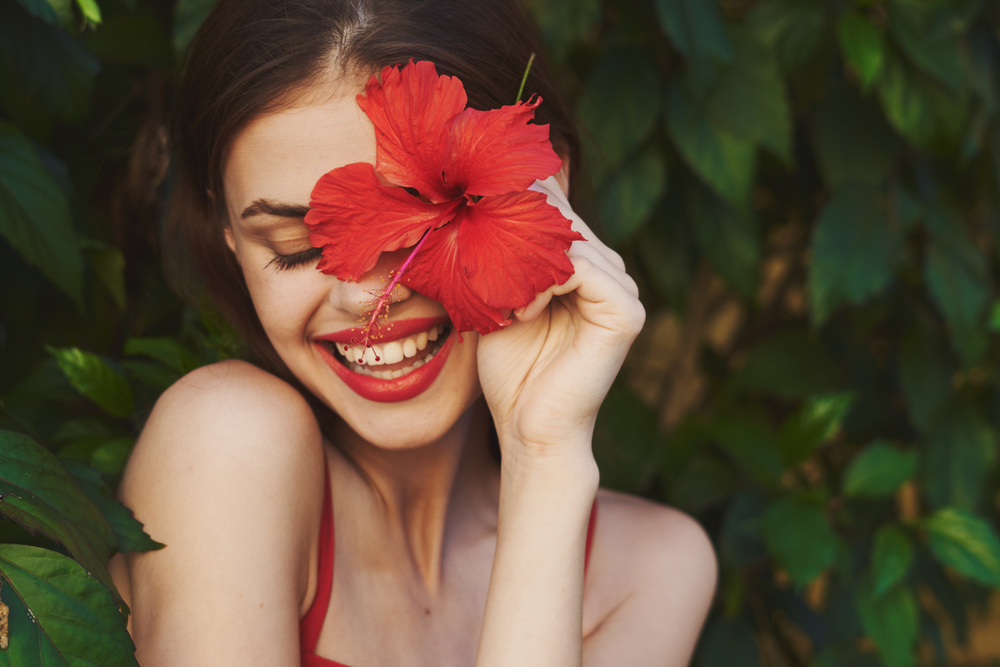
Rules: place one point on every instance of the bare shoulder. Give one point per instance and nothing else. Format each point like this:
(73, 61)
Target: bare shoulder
(651, 582)
(228, 473)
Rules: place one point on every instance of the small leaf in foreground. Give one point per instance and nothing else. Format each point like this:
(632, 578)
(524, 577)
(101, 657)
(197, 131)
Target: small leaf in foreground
(879, 470)
(890, 621)
(966, 543)
(891, 557)
(93, 378)
(815, 423)
(76, 617)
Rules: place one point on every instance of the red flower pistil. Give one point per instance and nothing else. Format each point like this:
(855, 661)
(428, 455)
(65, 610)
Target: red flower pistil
(456, 181)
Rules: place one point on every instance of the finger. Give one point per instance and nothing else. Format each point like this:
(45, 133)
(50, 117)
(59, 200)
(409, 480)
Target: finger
(592, 253)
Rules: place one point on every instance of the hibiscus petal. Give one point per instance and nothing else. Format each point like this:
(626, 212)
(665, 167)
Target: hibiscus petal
(354, 218)
(513, 246)
(496, 152)
(436, 273)
(410, 109)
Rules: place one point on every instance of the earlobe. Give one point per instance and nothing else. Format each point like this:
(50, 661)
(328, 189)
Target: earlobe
(562, 176)
(230, 239)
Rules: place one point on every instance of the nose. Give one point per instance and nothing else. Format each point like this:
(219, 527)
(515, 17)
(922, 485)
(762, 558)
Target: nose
(358, 297)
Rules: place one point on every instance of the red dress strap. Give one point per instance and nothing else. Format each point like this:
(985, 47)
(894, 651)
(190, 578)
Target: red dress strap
(312, 623)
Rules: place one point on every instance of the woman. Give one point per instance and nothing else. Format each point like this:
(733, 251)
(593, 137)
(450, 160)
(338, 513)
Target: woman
(260, 479)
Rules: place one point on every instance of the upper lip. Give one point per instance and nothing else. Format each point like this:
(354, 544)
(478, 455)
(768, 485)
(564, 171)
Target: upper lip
(391, 330)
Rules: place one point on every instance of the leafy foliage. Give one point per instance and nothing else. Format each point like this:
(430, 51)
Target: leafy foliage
(808, 193)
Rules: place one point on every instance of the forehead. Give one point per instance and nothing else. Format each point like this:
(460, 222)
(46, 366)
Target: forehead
(281, 155)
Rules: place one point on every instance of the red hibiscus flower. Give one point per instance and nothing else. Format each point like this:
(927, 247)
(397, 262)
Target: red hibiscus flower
(454, 182)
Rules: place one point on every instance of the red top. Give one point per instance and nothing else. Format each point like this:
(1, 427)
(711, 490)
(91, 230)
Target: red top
(311, 625)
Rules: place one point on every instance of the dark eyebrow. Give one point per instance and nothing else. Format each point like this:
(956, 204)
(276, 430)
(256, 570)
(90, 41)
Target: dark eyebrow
(270, 207)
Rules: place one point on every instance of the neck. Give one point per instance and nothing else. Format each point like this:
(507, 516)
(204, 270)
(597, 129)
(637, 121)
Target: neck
(402, 508)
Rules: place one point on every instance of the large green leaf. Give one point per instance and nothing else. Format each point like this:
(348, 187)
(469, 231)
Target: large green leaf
(966, 543)
(695, 28)
(959, 455)
(792, 29)
(90, 10)
(928, 37)
(922, 112)
(188, 17)
(93, 378)
(879, 470)
(78, 622)
(34, 215)
(890, 620)
(862, 44)
(620, 105)
(853, 142)
(166, 350)
(925, 371)
(723, 160)
(746, 97)
(40, 495)
(818, 420)
(791, 365)
(109, 265)
(631, 195)
(957, 280)
(799, 537)
(131, 536)
(54, 67)
(853, 251)
(892, 554)
(729, 239)
(564, 24)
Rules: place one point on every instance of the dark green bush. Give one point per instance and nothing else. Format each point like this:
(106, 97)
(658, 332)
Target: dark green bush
(806, 191)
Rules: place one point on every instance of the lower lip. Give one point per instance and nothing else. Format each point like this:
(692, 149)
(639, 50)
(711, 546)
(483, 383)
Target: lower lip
(402, 388)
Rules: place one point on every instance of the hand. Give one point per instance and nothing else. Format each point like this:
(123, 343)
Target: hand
(545, 375)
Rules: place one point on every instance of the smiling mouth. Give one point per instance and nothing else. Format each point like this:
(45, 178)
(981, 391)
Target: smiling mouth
(392, 359)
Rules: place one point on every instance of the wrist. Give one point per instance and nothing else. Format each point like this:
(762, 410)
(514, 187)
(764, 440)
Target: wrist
(566, 473)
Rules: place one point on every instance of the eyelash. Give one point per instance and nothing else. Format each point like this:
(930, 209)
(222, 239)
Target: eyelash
(286, 262)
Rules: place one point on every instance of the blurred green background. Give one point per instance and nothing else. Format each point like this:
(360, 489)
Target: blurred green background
(807, 193)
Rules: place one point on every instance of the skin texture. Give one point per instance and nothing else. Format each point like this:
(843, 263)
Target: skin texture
(442, 557)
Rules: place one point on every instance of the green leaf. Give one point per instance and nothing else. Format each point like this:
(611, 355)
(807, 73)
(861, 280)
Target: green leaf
(153, 374)
(40, 495)
(631, 196)
(812, 425)
(957, 280)
(746, 97)
(799, 537)
(565, 23)
(966, 543)
(34, 215)
(890, 620)
(862, 45)
(721, 159)
(892, 554)
(93, 378)
(929, 40)
(619, 106)
(729, 239)
(925, 371)
(60, 81)
(853, 142)
(626, 440)
(792, 29)
(109, 265)
(853, 251)
(879, 470)
(959, 454)
(791, 365)
(168, 351)
(695, 27)
(751, 444)
(919, 110)
(77, 619)
(188, 17)
(90, 10)
(41, 9)
(131, 536)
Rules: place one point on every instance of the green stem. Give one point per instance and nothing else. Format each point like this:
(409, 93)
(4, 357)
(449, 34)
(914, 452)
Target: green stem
(524, 79)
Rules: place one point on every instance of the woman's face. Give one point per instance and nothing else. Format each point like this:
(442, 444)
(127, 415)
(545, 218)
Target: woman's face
(422, 385)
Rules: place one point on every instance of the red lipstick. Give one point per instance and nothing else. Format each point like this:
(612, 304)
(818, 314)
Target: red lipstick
(402, 388)
(387, 332)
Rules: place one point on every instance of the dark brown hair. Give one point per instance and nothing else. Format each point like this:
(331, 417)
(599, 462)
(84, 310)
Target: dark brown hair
(252, 56)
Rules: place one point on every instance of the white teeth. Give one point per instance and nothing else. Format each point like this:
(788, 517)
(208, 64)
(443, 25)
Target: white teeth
(418, 363)
(397, 374)
(422, 340)
(342, 349)
(409, 348)
(369, 356)
(393, 353)
(432, 334)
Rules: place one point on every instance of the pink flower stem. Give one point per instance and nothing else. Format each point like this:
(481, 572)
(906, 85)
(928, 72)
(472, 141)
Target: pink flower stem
(386, 297)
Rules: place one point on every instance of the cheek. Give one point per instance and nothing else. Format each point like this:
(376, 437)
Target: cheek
(285, 301)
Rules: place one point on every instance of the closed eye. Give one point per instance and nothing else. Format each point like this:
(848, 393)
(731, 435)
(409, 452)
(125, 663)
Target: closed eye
(285, 262)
